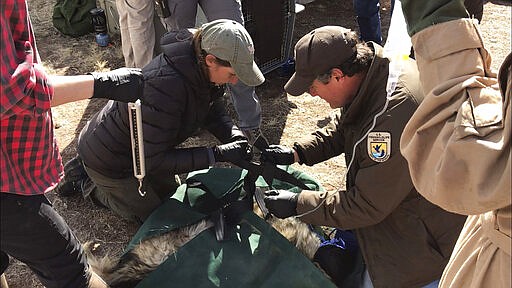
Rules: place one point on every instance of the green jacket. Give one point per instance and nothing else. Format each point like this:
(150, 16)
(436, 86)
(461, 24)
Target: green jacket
(405, 240)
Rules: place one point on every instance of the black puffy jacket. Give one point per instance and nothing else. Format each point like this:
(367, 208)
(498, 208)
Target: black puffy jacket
(178, 99)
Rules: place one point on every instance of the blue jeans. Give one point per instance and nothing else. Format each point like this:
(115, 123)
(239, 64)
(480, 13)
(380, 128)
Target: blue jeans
(247, 105)
(368, 19)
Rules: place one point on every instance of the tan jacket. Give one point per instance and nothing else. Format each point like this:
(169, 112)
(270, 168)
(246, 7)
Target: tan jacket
(458, 148)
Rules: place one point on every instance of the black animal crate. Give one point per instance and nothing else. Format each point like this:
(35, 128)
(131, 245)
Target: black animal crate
(270, 24)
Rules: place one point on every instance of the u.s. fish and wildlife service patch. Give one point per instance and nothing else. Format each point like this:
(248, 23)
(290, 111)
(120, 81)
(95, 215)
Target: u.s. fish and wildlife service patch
(379, 146)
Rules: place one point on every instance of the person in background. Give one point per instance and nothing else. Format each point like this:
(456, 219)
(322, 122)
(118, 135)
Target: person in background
(183, 92)
(458, 143)
(368, 19)
(137, 31)
(137, 34)
(244, 98)
(31, 229)
(405, 240)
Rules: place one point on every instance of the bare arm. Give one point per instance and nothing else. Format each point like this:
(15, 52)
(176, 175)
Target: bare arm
(123, 84)
(71, 88)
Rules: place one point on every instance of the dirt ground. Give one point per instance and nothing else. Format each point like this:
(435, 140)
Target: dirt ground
(285, 118)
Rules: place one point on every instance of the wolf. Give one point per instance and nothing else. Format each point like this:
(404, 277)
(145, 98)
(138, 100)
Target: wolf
(130, 268)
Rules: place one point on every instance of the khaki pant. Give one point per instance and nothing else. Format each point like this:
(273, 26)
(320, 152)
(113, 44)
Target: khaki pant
(183, 12)
(137, 31)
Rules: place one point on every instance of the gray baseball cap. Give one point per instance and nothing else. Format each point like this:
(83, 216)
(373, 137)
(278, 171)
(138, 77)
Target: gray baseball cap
(228, 40)
(317, 52)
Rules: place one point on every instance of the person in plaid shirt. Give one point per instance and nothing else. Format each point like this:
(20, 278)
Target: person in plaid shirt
(31, 229)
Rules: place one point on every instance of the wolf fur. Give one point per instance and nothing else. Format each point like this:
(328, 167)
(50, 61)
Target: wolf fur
(129, 269)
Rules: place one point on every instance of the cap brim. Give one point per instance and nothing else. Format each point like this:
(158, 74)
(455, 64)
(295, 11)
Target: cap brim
(249, 74)
(298, 85)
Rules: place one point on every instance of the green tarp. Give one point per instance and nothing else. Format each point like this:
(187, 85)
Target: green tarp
(253, 254)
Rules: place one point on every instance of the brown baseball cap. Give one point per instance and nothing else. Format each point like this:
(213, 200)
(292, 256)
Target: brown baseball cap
(317, 52)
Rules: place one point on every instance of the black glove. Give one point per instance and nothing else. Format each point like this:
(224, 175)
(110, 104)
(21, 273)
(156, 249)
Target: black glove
(237, 152)
(123, 84)
(281, 203)
(278, 154)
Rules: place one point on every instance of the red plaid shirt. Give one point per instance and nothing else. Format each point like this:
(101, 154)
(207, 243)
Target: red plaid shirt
(30, 162)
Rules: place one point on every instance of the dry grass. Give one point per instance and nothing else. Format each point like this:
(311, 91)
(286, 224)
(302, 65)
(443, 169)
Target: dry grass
(285, 119)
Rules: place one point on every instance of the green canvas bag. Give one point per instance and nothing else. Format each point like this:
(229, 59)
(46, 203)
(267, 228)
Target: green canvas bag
(253, 254)
(72, 17)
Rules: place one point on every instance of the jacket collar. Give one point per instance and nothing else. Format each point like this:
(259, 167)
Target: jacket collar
(178, 49)
(365, 102)
(177, 46)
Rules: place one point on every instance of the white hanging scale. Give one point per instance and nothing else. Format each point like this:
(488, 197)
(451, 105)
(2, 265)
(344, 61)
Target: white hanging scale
(139, 168)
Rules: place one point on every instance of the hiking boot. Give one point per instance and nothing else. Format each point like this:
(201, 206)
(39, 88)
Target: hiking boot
(87, 187)
(74, 175)
(74, 169)
(68, 188)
